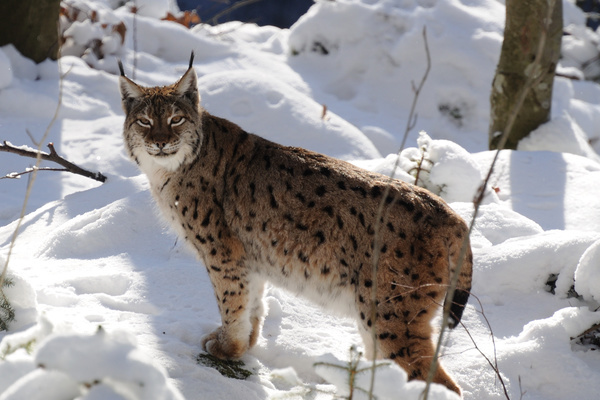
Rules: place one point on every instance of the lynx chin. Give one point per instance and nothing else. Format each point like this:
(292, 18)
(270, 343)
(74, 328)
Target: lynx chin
(255, 211)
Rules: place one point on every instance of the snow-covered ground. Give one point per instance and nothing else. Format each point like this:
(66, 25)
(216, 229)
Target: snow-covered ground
(111, 306)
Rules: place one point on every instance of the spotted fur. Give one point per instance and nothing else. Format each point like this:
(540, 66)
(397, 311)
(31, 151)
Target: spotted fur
(256, 211)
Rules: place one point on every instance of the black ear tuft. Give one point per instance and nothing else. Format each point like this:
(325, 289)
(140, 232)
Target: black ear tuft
(121, 67)
(191, 59)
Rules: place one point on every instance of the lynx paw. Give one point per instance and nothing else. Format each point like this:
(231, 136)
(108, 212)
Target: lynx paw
(221, 345)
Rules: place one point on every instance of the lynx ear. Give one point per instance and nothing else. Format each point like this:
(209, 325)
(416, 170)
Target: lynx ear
(187, 86)
(129, 89)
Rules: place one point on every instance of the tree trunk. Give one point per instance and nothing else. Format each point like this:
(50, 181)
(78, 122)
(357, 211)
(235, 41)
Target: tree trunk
(526, 24)
(31, 26)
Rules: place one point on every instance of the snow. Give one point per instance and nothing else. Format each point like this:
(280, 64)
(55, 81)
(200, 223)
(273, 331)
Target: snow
(114, 306)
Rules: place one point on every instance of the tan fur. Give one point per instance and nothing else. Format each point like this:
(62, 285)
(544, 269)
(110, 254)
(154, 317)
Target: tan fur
(257, 211)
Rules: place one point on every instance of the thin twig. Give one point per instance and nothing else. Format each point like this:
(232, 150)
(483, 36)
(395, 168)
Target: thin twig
(493, 364)
(419, 168)
(532, 80)
(17, 175)
(382, 211)
(52, 156)
(215, 20)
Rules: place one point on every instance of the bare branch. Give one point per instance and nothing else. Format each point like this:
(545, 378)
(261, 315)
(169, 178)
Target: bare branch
(52, 156)
(494, 364)
(17, 175)
(532, 80)
(382, 212)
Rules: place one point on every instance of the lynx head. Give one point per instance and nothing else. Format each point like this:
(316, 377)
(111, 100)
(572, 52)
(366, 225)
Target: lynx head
(162, 124)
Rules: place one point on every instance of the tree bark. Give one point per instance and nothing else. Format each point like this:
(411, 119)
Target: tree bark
(526, 24)
(31, 26)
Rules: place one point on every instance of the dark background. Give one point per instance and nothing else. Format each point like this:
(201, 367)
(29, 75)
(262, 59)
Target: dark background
(283, 13)
(280, 13)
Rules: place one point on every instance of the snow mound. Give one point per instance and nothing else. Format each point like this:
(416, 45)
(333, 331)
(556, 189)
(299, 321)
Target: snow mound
(22, 298)
(7, 76)
(545, 344)
(534, 259)
(391, 381)
(276, 111)
(587, 275)
(385, 50)
(496, 223)
(445, 168)
(561, 134)
(88, 367)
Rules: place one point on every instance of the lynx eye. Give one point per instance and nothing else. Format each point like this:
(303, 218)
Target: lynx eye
(143, 122)
(177, 120)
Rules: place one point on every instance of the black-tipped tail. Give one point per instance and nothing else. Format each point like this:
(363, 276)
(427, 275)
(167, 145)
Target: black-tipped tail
(459, 301)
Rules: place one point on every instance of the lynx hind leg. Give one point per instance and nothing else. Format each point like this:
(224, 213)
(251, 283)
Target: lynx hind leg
(405, 311)
(257, 310)
(412, 348)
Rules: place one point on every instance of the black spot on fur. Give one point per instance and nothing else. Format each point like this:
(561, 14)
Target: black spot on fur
(361, 218)
(206, 220)
(200, 239)
(325, 171)
(360, 190)
(328, 210)
(302, 257)
(273, 201)
(376, 191)
(408, 206)
(354, 243)
(417, 216)
(321, 236)
(289, 170)
(301, 226)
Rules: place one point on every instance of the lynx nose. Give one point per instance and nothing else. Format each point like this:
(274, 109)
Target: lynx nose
(159, 140)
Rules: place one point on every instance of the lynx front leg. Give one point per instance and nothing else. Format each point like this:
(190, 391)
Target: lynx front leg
(232, 339)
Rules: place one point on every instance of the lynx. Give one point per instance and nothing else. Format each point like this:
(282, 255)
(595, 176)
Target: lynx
(256, 211)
